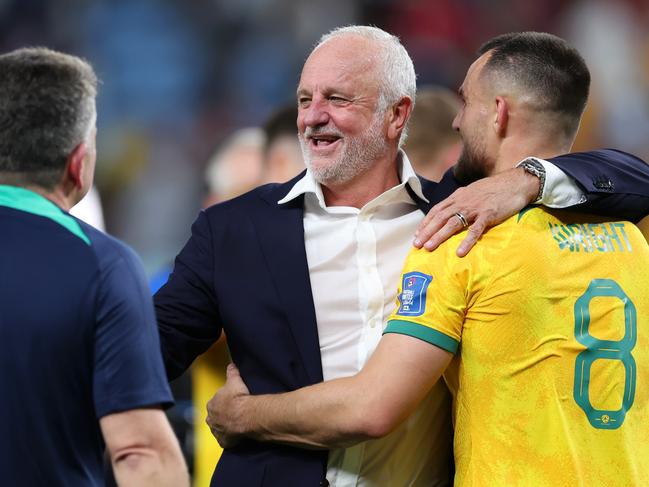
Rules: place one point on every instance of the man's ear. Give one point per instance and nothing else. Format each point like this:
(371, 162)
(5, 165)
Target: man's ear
(501, 117)
(73, 175)
(398, 117)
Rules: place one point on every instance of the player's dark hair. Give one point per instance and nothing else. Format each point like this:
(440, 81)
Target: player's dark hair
(47, 106)
(546, 66)
(282, 121)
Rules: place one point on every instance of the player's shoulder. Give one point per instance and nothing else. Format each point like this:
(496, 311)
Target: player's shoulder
(572, 230)
(108, 250)
(497, 236)
(571, 221)
(535, 217)
(491, 243)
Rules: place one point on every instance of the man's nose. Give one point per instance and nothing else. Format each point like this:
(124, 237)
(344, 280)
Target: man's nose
(316, 113)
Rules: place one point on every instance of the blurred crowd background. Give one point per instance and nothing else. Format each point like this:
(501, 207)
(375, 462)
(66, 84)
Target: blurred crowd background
(180, 78)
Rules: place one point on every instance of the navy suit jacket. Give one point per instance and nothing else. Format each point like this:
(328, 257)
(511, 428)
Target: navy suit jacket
(244, 271)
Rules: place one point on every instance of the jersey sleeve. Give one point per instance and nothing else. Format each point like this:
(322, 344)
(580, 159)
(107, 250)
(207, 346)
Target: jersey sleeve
(432, 297)
(128, 368)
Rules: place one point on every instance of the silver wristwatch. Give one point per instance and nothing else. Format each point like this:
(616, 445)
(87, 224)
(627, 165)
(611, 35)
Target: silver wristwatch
(534, 167)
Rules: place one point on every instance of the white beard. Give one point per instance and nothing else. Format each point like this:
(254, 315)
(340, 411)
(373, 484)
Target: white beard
(358, 153)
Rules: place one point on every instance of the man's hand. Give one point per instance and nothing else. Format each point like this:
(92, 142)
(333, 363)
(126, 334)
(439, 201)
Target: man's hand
(483, 203)
(223, 411)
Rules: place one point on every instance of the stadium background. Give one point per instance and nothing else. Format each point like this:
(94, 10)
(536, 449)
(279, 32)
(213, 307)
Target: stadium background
(179, 77)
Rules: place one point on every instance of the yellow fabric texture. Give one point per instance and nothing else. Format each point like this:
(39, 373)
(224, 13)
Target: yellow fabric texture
(208, 374)
(551, 310)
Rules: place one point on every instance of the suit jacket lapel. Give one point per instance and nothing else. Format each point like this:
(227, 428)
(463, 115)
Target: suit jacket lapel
(423, 205)
(281, 233)
(435, 192)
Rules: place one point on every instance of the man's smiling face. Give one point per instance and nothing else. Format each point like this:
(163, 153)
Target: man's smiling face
(341, 126)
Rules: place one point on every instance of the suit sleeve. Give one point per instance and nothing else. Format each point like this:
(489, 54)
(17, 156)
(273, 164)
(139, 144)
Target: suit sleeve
(186, 306)
(615, 183)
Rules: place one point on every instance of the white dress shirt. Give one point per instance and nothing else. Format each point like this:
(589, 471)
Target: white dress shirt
(355, 257)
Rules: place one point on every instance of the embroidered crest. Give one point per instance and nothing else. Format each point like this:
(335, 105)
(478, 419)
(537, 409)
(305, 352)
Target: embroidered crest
(413, 294)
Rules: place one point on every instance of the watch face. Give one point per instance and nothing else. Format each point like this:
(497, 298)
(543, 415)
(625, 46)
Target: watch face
(534, 167)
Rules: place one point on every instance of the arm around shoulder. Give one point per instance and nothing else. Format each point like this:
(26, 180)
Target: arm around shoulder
(615, 183)
(335, 413)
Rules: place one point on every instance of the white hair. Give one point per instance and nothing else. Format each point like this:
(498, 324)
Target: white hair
(397, 78)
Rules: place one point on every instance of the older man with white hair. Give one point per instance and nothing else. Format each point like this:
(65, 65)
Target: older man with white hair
(301, 276)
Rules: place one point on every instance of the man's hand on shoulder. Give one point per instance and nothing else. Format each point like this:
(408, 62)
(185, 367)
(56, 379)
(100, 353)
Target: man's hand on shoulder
(477, 206)
(225, 412)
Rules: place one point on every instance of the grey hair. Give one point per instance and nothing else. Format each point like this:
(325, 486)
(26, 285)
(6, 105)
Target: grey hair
(397, 78)
(47, 108)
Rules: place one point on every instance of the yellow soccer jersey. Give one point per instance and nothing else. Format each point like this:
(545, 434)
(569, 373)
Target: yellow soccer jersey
(549, 319)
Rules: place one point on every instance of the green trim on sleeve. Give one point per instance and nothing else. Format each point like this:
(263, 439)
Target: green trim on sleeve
(25, 200)
(424, 333)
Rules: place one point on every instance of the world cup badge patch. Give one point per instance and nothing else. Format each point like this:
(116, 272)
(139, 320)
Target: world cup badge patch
(413, 294)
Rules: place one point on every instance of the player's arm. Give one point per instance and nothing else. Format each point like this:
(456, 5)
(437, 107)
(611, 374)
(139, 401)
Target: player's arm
(129, 383)
(336, 413)
(614, 183)
(143, 449)
(604, 182)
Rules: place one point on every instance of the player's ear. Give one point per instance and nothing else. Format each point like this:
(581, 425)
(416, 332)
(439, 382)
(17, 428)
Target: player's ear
(75, 165)
(501, 117)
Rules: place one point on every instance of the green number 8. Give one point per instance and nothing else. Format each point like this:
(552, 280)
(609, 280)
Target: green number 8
(597, 349)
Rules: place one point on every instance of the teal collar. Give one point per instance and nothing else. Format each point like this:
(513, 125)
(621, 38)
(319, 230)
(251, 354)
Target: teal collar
(25, 200)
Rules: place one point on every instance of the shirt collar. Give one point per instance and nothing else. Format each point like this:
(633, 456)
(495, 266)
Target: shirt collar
(26, 200)
(308, 185)
(409, 177)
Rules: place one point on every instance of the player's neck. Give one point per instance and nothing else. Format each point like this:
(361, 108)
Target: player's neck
(56, 196)
(512, 151)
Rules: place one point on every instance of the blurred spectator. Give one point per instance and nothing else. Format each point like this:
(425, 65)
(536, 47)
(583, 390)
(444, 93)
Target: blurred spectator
(236, 167)
(432, 144)
(282, 153)
(156, 58)
(619, 108)
(180, 75)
